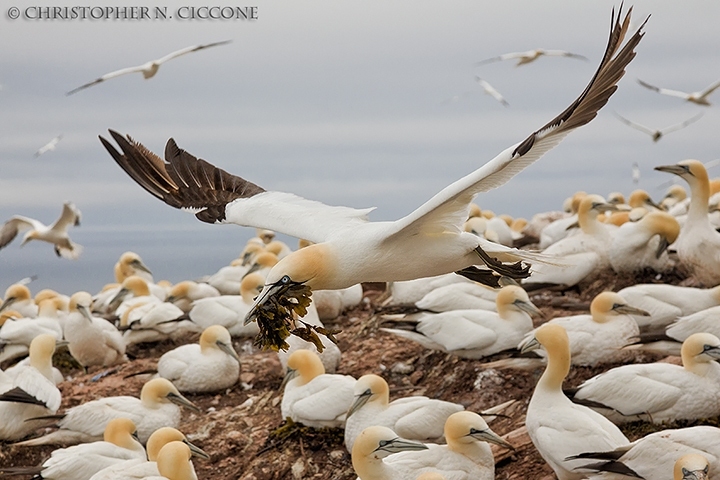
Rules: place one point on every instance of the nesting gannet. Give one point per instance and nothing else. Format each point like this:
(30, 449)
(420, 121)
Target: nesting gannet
(157, 407)
(476, 333)
(148, 69)
(207, 366)
(51, 145)
(657, 134)
(698, 245)
(558, 427)
(492, 91)
(17, 332)
(227, 279)
(416, 417)
(55, 233)
(349, 248)
(654, 456)
(599, 337)
(660, 391)
(139, 469)
(643, 244)
(18, 295)
(698, 322)
(133, 290)
(675, 194)
(411, 291)
(130, 264)
(691, 467)
(530, 56)
(155, 321)
(173, 462)
(458, 296)
(466, 456)
(372, 446)
(313, 397)
(28, 391)
(698, 98)
(184, 293)
(81, 462)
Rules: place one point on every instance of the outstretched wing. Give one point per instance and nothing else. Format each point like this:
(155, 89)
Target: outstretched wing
(634, 125)
(107, 76)
(183, 51)
(563, 53)
(664, 91)
(490, 90)
(69, 216)
(186, 182)
(682, 125)
(710, 89)
(16, 224)
(447, 210)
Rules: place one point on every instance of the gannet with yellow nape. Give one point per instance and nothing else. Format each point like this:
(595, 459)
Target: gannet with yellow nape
(55, 233)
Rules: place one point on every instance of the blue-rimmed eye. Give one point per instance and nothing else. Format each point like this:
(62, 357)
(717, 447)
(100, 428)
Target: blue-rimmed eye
(285, 279)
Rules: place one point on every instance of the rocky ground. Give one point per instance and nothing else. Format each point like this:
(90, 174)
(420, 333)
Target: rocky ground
(236, 426)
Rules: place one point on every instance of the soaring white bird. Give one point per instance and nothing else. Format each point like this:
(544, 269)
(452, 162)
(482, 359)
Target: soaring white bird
(698, 98)
(372, 446)
(655, 455)
(416, 417)
(51, 145)
(148, 69)
(558, 427)
(210, 365)
(56, 233)
(81, 462)
(657, 134)
(476, 333)
(466, 456)
(698, 245)
(313, 397)
(349, 249)
(530, 56)
(157, 407)
(643, 244)
(492, 91)
(660, 391)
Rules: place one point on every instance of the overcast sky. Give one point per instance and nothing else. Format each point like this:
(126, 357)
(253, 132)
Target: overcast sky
(346, 102)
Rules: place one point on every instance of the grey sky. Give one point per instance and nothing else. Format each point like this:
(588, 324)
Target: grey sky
(338, 101)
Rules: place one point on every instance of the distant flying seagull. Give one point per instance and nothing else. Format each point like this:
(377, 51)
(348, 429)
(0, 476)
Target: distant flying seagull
(699, 98)
(148, 69)
(635, 173)
(48, 146)
(657, 134)
(55, 233)
(490, 90)
(531, 56)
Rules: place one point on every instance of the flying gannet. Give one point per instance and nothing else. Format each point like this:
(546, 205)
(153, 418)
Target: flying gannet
(55, 233)
(698, 98)
(429, 241)
(148, 69)
(657, 134)
(530, 56)
(492, 91)
(51, 145)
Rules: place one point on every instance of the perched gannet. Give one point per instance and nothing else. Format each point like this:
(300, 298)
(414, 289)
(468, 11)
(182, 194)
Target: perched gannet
(28, 391)
(18, 295)
(530, 56)
(476, 333)
(416, 417)
(81, 462)
(41, 350)
(375, 443)
(148, 69)
(173, 462)
(599, 337)
(157, 407)
(55, 233)
(207, 366)
(91, 340)
(130, 264)
(349, 248)
(48, 147)
(675, 194)
(691, 467)
(139, 469)
(698, 322)
(698, 98)
(698, 245)
(227, 279)
(660, 391)
(557, 427)
(17, 332)
(466, 456)
(643, 244)
(133, 290)
(492, 91)
(311, 396)
(183, 294)
(155, 321)
(657, 134)
(655, 455)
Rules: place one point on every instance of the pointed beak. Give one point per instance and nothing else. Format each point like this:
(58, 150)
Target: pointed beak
(196, 451)
(118, 298)
(7, 303)
(490, 437)
(85, 312)
(712, 351)
(399, 445)
(253, 268)
(140, 266)
(529, 308)
(178, 399)
(289, 375)
(246, 258)
(694, 474)
(662, 246)
(529, 345)
(675, 169)
(360, 400)
(605, 207)
(228, 349)
(653, 204)
(628, 310)
(267, 292)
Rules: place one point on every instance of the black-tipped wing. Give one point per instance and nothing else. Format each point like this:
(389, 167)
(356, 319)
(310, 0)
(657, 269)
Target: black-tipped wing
(191, 49)
(18, 395)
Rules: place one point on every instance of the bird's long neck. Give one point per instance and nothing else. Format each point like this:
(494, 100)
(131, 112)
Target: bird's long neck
(478, 452)
(699, 197)
(588, 222)
(557, 369)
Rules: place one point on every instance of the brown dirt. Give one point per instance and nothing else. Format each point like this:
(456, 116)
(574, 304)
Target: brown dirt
(236, 426)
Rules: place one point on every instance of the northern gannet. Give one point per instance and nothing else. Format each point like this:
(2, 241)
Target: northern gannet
(530, 56)
(416, 417)
(148, 69)
(51, 145)
(698, 98)
(157, 407)
(675, 194)
(411, 291)
(18, 295)
(17, 332)
(560, 228)
(207, 366)
(174, 463)
(81, 462)
(55, 233)
(459, 296)
(557, 427)
(698, 245)
(133, 290)
(691, 467)
(492, 91)
(643, 244)
(657, 134)
(155, 321)
(372, 446)
(184, 293)
(311, 396)
(130, 264)
(476, 333)
(660, 391)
